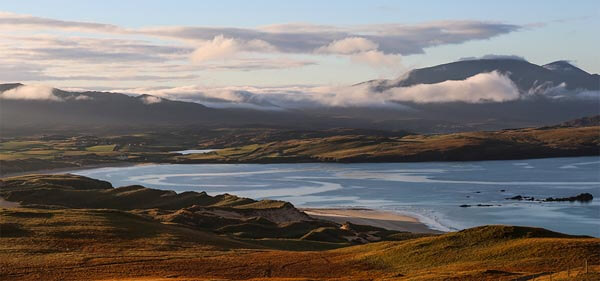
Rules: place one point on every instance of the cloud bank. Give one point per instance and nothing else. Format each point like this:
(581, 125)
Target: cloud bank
(491, 87)
(32, 48)
(481, 88)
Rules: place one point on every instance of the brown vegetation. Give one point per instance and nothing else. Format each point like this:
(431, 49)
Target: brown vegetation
(58, 239)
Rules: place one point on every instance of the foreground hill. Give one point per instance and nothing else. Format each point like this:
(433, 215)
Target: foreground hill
(52, 236)
(239, 218)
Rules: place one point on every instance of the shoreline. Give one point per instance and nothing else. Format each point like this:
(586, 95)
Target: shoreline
(383, 219)
(129, 164)
(68, 169)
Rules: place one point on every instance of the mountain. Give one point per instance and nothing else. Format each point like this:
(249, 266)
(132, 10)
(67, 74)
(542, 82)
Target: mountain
(524, 74)
(88, 110)
(548, 95)
(564, 67)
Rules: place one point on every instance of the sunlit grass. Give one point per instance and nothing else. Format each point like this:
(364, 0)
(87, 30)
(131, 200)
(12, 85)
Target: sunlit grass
(101, 148)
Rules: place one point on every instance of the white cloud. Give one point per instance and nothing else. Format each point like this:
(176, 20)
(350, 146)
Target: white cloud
(151, 99)
(484, 87)
(221, 47)
(481, 88)
(33, 47)
(218, 48)
(346, 46)
(83, 97)
(560, 91)
(30, 92)
(361, 50)
(225, 97)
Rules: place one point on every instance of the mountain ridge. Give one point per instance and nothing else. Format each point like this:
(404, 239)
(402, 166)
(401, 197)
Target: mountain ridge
(524, 74)
(570, 92)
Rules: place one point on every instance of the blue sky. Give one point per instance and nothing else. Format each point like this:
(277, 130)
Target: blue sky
(540, 31)
(251, 13)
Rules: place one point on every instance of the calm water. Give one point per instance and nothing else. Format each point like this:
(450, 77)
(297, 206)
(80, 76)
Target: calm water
(431, 191)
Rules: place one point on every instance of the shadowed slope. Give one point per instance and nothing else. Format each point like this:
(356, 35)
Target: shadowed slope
(74, 191)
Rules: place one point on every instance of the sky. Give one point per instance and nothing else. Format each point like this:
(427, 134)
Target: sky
(131, 45)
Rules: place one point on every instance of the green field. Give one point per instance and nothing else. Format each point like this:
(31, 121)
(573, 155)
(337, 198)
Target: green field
(101, 148)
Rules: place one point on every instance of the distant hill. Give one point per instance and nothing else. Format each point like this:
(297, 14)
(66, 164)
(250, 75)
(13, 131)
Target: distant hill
(82, 109)
(582, 122)
(524, 74)
(550, 94)
(468, 146)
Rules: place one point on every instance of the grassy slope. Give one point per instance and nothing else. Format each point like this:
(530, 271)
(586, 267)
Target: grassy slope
(480, 251)
(508, 144)
(240, 218)
(264, 146)
(73, 191)
(60, 243)
(107, 244)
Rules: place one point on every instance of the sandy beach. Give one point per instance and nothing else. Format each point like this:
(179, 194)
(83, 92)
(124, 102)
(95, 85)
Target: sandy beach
(387, 220)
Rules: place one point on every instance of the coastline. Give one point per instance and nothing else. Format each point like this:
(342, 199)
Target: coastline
(377, 218)
(275, 161)
(83, 167)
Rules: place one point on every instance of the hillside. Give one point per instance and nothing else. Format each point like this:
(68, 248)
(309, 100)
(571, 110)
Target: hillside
(582, 122)
(498, 145)
(93, 110)
(240, 218)
(547, 95)
(524, 74)
(257, 145)
(45, 237)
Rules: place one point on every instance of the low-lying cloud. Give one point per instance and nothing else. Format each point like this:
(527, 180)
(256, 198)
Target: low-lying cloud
(560, 91)
(481, 88)
(30, 92)
(491, 87)
(150, 99)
